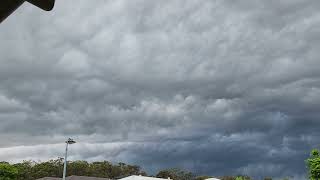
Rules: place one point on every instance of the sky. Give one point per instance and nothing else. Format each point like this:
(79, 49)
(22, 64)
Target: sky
(217, 87)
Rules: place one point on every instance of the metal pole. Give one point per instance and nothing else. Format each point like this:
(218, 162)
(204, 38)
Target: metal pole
(65, 162)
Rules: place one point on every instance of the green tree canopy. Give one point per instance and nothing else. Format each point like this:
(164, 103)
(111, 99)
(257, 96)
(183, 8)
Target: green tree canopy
(243, 177)
(313, 163)
(175, 174)
(227, 178)
(8, 172)
(30, 170)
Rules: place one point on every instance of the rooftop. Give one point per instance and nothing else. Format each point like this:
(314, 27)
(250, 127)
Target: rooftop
(74, 178)
(135, 177)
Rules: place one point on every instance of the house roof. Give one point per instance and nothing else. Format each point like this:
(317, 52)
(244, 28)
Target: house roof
(135, 177)
(74, 178)
(212, 179)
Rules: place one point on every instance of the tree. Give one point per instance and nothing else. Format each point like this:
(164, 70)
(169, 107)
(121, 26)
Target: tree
(227, 178)
(30, 170)
(243, 177)
(8, 172)
(267, 178)
(175, 174)
(24, 170)
(78, 168)
(313, 163)
(52, 168)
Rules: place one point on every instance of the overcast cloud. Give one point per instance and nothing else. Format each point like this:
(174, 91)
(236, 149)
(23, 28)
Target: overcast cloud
(218, 87)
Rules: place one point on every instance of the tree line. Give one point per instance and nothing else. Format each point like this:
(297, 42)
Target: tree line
(31, 170)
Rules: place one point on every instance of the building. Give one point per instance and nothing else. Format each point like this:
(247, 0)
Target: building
(74, 178)
(212, 179)
(135, 177)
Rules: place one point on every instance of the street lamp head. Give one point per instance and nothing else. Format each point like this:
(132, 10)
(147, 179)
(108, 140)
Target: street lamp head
(70, 141)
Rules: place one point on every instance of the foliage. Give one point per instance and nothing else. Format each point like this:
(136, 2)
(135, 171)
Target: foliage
(24, 170)
(243, 177)
(30, 170)
(313, 163)
(176, 174)
(315, 153)
(240, 178)
(7, 171)
(267, 178)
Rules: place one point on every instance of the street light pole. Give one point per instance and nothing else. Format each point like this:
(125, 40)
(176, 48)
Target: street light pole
(69, 141)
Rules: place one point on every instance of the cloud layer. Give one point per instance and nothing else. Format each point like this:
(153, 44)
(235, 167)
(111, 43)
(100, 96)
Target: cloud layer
(215, 87)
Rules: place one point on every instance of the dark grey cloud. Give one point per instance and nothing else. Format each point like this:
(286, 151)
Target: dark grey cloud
(216, 87)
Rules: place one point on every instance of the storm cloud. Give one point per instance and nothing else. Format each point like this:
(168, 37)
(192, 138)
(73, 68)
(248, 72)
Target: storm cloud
(216, 87)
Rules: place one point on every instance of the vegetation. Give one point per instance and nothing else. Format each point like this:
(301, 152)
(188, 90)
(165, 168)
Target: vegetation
(176, 174)
(313, 164)
(7, 172)
(31, 170)
(243, 178)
